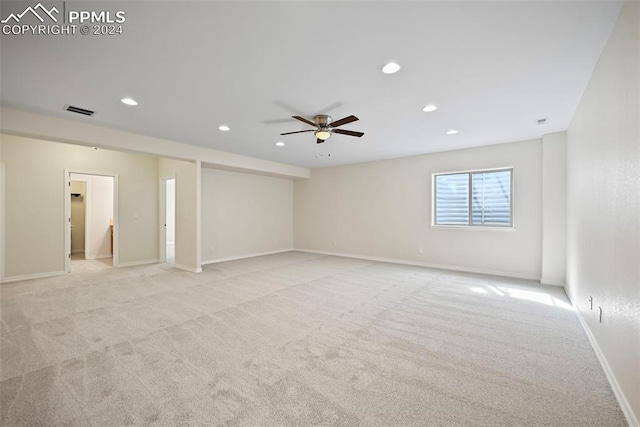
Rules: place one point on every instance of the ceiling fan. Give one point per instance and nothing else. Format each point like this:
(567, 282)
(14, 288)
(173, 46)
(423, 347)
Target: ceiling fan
(324, 127)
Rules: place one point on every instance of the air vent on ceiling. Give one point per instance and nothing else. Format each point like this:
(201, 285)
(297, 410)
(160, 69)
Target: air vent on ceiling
(542, 121)
(79, 110)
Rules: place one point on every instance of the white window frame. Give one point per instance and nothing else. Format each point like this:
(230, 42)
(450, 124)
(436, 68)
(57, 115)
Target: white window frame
(470, 225)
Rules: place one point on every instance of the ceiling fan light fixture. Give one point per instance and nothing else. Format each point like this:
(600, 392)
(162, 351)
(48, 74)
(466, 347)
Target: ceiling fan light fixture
(322, 134)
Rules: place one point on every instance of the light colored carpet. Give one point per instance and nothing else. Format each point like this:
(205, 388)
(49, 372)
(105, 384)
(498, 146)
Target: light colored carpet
(81, 265)
(295, 339)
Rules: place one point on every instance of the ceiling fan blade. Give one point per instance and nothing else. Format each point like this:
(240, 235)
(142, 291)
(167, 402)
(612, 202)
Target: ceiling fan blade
(298, 131)
(344, 121)
(319, 141)
(348, 132)
(302, 119)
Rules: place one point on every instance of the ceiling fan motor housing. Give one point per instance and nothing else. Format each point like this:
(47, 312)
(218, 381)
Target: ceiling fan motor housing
(324, 130)
(322, 120)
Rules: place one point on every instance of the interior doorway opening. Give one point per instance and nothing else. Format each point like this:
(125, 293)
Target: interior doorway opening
(78, 217)
(168, 220)
(90, 206)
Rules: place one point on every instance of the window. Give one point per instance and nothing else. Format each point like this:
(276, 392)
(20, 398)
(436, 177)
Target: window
(482, 198)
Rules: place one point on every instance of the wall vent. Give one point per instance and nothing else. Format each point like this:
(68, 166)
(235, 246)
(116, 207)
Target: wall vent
(542, 121)
(79, 110)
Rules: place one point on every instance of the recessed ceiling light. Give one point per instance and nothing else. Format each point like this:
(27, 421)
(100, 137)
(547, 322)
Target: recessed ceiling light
(224, 128)
(129, 101)
(280, 144)
(429, 108)
(452, 132)
(391, 68)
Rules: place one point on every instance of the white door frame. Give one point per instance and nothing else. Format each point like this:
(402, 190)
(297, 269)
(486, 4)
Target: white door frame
(163, 215)
(67, 214)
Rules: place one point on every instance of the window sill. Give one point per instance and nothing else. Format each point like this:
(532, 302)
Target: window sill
(472, 227)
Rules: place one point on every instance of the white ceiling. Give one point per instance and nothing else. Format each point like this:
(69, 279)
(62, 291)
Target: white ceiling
(492, 68)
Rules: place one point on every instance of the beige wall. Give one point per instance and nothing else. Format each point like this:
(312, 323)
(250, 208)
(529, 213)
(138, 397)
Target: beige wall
(383, 209)
(603, 240)
(34, 172)
(244, 214)
(187, 220)
(1, 212)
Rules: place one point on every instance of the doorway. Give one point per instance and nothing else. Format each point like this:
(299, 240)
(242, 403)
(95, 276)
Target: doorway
(90, 238)
(78, 217)
(168, 220)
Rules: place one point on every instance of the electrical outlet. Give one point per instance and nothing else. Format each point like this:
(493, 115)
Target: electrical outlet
(420, 249)
(335, 243)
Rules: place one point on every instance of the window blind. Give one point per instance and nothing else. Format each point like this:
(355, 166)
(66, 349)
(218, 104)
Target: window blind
(491, 198)
(473, 198)
(452, 199)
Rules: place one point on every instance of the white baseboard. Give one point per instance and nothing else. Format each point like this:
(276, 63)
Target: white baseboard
(77, 251)
(622, 400)
(233, 258)
(187, 268)
(428, 265)
(552, 283)
(134, 263)
(99, 256)
(32, 276)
